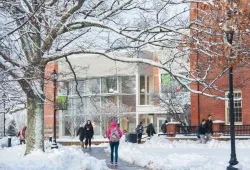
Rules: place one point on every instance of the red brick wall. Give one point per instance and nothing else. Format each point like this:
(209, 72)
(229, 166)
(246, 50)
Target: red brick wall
(201, 106)
(48, 106)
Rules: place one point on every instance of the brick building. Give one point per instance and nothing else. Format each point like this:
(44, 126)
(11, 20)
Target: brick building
(201, 106)
(101, 80)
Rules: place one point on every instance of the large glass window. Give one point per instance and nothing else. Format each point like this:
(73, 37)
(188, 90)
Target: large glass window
(109, 84)
(128, 123)
(237, 108)
(73, 116)
(93, 104)
(142, 91)
(146, 119)
(93, 86)
(80, 87)
(146, 87)
(106, 100)
(63, 89)
(128, 84)
(129, 101)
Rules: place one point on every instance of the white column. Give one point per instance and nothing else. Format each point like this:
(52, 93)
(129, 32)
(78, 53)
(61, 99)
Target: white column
(137, 92)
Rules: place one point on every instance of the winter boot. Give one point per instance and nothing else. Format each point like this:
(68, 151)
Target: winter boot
(82, 145)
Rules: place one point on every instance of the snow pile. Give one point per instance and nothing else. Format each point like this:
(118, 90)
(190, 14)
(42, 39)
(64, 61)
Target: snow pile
(160, 153)
(64, 158)
(4, 142)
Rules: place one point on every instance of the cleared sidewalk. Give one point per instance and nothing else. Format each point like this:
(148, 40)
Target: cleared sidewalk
(99, 153)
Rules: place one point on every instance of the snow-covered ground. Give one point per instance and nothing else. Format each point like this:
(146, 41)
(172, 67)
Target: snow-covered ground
(64, 158)
(96, 138)
(4, 141)
(161, 154)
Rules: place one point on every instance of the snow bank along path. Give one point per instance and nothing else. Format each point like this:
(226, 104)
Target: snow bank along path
(64, 158)
(162, 154)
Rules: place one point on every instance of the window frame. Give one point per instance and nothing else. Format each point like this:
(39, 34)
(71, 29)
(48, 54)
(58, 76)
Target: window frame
(227, 112)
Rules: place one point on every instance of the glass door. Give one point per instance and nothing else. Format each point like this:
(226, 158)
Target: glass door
(160, 121)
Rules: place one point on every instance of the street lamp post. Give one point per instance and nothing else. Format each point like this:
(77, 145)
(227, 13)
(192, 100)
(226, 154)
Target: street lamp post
(54, 78)
(4, 97)
(233, 160)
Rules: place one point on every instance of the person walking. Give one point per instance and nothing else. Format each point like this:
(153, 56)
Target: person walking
(209, 125)
(81, 133)
(202, 130)
(164, 127)
(139, 131)
(150, 130)
(89, 132)
(22, 134)
(114, 134)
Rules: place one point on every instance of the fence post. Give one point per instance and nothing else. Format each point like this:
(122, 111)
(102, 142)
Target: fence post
(9, 141)
(218, 127)
(172, 128)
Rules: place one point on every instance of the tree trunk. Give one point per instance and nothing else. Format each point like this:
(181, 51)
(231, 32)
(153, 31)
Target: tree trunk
(35, 124)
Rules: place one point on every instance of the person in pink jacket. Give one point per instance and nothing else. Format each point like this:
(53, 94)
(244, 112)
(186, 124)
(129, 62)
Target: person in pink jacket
(22, 134)
(114, 134)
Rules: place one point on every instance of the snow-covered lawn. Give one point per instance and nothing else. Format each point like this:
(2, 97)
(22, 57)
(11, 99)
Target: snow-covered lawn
(4, 141)
(64, 158)
(161, 154)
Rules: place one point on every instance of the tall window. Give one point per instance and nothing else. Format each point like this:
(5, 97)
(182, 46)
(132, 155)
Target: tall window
(93, 86)
(146, 87)
(63, 89)
(80, 87)
(237, 108)
(109, 84)
(128, 84)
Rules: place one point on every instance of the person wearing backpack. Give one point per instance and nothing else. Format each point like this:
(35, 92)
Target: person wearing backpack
(139, 131)
(22, 134)
(163, 127)
(81, 133)
(150, 130)
(114, 134)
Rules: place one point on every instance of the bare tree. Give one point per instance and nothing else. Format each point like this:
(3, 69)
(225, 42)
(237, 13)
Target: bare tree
(109, 112)
(173, 99)
(72, 123)
(34, 33)
(20, 118)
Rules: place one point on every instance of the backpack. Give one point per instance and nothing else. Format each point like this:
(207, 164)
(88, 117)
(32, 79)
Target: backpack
(163, 127)
(114, 135)
(139, 130)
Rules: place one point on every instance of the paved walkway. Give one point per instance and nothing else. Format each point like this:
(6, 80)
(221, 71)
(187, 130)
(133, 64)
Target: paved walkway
(99, 153)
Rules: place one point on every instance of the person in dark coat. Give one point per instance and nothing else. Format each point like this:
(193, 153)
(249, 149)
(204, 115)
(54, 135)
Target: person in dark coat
(164, 127)
(209, 125)
(139, 131)
(150, 130)
(202, 130)
(81, 134)
(89, 132)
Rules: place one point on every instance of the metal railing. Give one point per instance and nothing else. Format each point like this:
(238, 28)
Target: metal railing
(240, 130)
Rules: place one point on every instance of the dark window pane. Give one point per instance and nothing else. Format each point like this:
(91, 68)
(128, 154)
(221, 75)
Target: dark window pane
(109, 84)
(130, 101)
